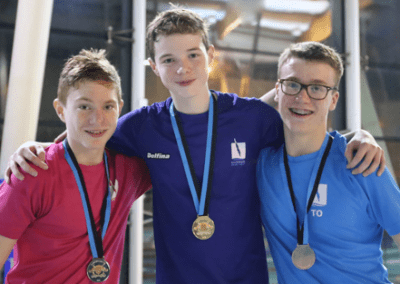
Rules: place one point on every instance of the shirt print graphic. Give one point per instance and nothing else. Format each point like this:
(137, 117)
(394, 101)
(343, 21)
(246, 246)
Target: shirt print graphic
(238, 153)
(321, 198)
(114, 189)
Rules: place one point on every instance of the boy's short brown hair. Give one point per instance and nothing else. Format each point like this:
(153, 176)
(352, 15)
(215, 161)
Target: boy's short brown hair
(313, 51)
(175, 21)
(88, 65)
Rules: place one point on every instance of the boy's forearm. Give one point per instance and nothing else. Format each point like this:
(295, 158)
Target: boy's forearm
(347, 134)
(45, 144)
(268, 98)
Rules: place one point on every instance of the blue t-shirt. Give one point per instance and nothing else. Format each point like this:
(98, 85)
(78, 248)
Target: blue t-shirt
(235, 253)
(346, 220)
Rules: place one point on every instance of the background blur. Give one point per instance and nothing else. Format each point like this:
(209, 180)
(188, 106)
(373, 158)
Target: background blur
(248, 36)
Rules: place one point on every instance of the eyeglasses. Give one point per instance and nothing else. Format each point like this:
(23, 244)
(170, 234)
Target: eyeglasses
(314, 91)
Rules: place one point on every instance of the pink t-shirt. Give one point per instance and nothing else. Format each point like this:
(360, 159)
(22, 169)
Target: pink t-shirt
(45, 214)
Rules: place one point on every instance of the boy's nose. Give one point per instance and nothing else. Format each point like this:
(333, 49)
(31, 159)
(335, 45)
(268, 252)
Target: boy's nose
(184, 68)
(97, 116)
(303, 95)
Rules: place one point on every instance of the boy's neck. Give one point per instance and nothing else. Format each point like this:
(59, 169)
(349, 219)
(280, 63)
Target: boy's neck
(87, 157)
(192, 105)
(303, 144)
(91, 160)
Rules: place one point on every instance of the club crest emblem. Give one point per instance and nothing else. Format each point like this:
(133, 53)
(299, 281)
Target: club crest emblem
(321, 198)
(114, 190)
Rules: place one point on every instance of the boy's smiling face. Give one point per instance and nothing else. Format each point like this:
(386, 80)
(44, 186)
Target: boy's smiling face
(300, 113)
(181, 61)
(90, 113)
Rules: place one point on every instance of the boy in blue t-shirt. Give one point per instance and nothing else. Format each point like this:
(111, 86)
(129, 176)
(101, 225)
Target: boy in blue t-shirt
(201, 147)
(323, 224)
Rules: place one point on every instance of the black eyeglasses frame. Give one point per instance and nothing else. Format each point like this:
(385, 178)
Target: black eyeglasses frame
(304, 86)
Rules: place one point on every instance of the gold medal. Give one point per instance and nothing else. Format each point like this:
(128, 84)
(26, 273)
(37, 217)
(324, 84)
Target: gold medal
(203, 227)
(98, 270)
(303, 257)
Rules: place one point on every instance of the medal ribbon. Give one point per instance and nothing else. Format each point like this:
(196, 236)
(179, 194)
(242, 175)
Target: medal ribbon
(302, 230)
(204, 193)
(95, 241)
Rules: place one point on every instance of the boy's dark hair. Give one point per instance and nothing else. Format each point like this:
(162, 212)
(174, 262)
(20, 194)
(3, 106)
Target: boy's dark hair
(88, 65)
(175, 21)
(313, 51)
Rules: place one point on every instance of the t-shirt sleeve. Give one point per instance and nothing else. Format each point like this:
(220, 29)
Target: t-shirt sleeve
(384, 196)
(125, 140)
(272, 127)
(141, 178)
(19, 205)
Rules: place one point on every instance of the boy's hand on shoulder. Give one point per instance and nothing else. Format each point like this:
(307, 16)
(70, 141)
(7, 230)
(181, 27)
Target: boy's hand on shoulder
(29, 151)
(368, 151)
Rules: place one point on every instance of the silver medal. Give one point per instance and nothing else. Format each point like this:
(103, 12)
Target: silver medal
(303, 257)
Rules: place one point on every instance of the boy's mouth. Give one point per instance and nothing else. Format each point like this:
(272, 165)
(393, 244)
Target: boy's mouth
(300, 112)
(186, 82)
(96, 133)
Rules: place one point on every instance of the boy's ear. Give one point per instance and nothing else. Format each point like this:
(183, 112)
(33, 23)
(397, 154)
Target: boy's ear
(121, 104)
(335, 98)
(276, 97)
(59, 109)
(210, 52)
(153, 66)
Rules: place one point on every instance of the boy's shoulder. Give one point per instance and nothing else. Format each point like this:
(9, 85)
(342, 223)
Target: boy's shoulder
(128, 161)
(339, 144)
(53, 154)
(153, 109)
(234, 98)
(231, 100)
(270, 155)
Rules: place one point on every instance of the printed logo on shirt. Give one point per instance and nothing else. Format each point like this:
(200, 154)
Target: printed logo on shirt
(321, 198)
(114, 189)
(159, 156)
(238, 152)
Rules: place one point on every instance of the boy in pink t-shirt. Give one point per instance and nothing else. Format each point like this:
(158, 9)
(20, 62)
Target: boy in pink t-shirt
(68, 223)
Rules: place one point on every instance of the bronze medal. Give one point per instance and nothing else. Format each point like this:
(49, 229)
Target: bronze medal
(98, 270)
(303, 257)
(203, 227)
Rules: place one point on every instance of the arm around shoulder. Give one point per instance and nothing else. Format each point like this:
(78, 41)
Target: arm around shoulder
(29, 151)
(268, 98)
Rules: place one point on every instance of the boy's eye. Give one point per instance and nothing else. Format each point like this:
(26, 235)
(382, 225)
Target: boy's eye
(168, 60)
(109, 107)
(193, 55)
(84, 107)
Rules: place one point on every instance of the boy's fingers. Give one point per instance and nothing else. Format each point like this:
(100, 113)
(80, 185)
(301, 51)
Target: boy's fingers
(374, 165)
(12, 168)
(349, 155)
(41, 154)
(37, 161)
(382, 165)
(25, 166)
(7, 175)
(366, 161)
(37, 158)
(359, 155)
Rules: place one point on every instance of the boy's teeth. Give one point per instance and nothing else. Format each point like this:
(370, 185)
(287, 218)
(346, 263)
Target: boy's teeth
(95, 132)
(301, 111)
